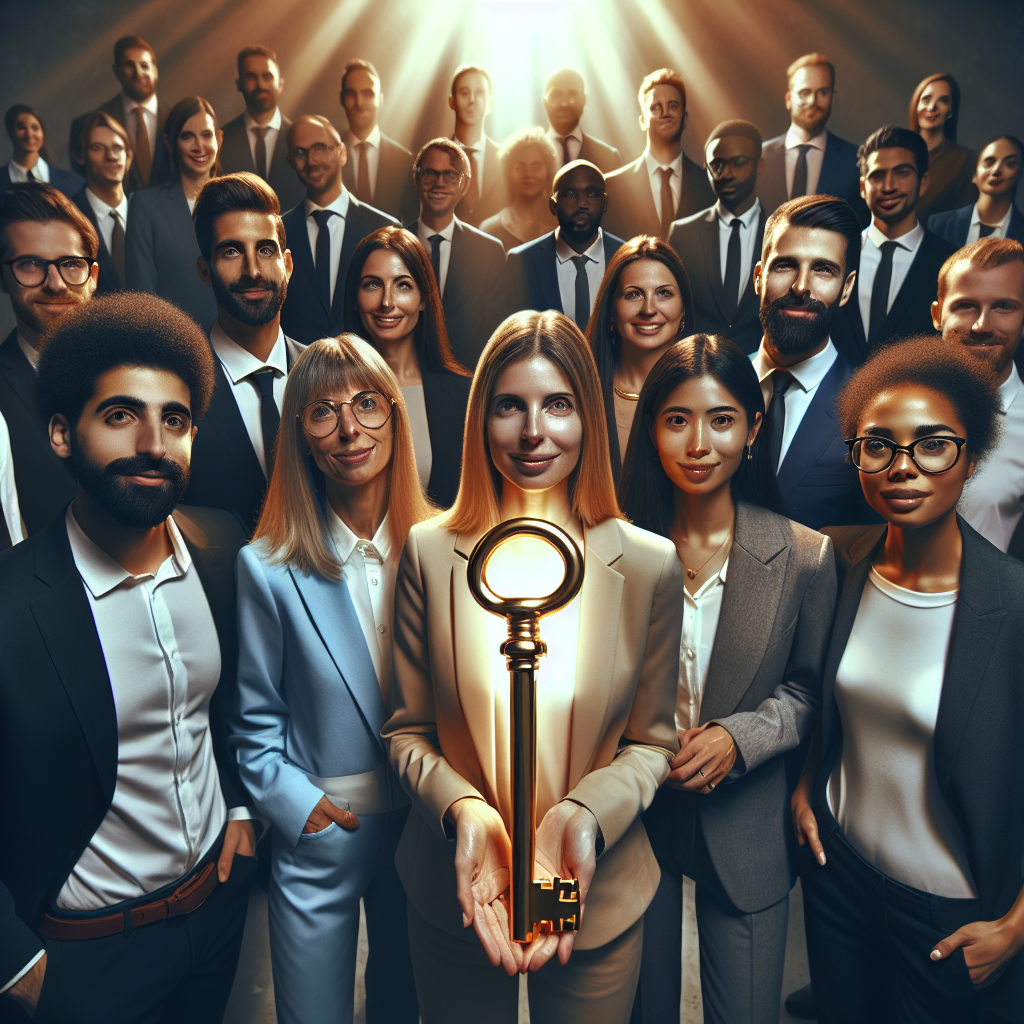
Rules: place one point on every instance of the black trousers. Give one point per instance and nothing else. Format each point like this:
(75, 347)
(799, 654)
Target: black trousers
(176, 970)
(868, 944)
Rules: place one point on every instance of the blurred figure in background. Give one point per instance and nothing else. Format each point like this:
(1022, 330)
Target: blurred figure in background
(565, 96)
(31, 159)
(470, 98)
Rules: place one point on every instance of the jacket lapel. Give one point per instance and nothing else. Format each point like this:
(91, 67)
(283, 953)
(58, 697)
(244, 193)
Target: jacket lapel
(355, 230)
(707, 231)
(20, 375)
(545, 271)
(224, 417)
(298, 243)
(748, 298)
(829, 167)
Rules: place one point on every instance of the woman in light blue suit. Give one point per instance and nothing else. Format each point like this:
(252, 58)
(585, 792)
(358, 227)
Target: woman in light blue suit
(315, 594)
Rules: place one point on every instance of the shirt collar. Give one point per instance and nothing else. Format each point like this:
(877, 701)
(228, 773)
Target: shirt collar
(130, 104)
(653, 165)
(1010, 389)
(346, 542)
(808, 373)
(239, 363)
(373, 139)
(41, 171)
(101, 574)
(563, 252)
(1003, 225)
(793, 140)
(748, 219)
(274, 122)
(909, 241)
(576, 133)
(102, 209)
(446, 233)
(339, 206)
(718, 580)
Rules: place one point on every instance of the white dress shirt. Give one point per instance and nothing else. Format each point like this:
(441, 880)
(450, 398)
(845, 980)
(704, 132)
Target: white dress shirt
(903, 255)
(815, 158)
(999, 231)
(574, 142)
(807, 375)
(675, 182)
(273, 129)
(445, 255)
(701, 612)
(163, 658)
(41, 171)
(748, 239)
(372, 156)
(336, 226)
(8, 490)
(993, 499)
(148, 110)
(238, 364)
(103, 216)
(567, 271)
(479, 151)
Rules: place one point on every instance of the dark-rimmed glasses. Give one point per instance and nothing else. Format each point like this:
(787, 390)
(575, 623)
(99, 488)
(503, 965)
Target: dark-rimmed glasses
(428, 176)
(934, 454)
(32, 271)
(318, 149)
(370, 409)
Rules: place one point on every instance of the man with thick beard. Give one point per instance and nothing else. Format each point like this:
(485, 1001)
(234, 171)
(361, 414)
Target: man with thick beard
(247, 264)
(128, 845)
(806, 273)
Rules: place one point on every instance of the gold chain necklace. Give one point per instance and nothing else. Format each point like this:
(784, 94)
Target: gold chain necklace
(692, 573)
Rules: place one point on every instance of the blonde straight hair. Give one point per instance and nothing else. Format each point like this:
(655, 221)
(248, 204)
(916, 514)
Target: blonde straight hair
(591, 487)
(293, 525)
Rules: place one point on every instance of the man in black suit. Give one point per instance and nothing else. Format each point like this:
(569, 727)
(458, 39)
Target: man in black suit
(38, 224)
(804, 277)
(469, 265)
(563, 270)
(117, 623)
(105, 151)
(565, 96)
(246, 262)
(809, 159)
(323, 231)
(900, 259)
(137, 108)
(256, 140)
(379, 172)
(663, 184)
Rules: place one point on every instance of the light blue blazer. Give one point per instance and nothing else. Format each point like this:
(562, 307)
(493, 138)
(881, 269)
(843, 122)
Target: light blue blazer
(308, 698)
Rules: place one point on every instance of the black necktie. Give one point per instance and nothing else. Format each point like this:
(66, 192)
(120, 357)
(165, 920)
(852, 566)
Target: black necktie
(261, 152)
(270, 418)
(435, 257)
(880, 294)
(775, 419)
(363, 175)
(984, 230)
(800, 173)
(117, 245)
(323, 255)
(30, 175)
(732, 270)
(667, 208)
(582, 292)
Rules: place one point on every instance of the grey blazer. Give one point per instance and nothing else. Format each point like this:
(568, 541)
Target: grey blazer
(764, 687)
(160, 252)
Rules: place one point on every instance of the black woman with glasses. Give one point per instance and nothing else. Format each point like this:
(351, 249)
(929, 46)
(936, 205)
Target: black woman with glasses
(315, 597)
(910, 809)
(48, 249)
(391, 300)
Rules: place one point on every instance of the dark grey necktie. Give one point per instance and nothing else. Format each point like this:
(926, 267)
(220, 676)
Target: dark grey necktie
(261, 152)
(270, 417)
(879, 307)
(732, 270)
(435, 257)
(984, 230)
(775, 418)
(582, 313)
(117, 245)
(323, 255)
(800, 173)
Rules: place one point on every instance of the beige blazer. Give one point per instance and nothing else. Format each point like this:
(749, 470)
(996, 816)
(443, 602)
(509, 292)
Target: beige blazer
(623, 733)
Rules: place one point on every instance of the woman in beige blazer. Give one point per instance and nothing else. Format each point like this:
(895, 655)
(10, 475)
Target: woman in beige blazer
(535, 445)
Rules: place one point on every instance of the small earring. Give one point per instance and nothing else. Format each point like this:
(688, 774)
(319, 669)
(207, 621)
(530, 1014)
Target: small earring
(750, 454)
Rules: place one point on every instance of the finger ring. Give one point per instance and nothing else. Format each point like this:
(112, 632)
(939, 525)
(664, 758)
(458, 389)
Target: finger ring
(701, 773)
(711, 785)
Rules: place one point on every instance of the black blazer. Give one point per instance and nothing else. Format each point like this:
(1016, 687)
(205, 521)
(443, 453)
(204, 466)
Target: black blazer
(696, 241)
(979, 733)
(839, 176)
(953, 225)
(236, 156)
(63, 181)
(59, 734)
(493, 193)
(818, 482)
(303, 315)
(532, 272)
(108, 280)
(225, 472)
(911, 311)
(631, 209)
(604, 157)
(446, 396)
(394, 193)
(45, 483)
(474, 297)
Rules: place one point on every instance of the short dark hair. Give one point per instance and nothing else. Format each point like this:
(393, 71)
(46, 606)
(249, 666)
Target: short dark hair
(464, 69)
(453, 149)
(99, 119)
(820, 211)
(121, 329)
(967, 382)
(35, 201)
(241, 191)
(355, 65)
(810, 60)
(126, 43)
(892, 136)
(256, 51)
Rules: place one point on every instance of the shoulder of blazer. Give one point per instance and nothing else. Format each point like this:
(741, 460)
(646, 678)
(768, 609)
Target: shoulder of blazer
(852, 543)
(616, 177)
(533, 249)
(235, 125)
(389, 145)
(839, 146)
(701, 216)
(211, 528)
(1016, 228)
(634, 543)
(763, 533)
(359, 212)
(990, 579)
(483, 241)
(774, 145)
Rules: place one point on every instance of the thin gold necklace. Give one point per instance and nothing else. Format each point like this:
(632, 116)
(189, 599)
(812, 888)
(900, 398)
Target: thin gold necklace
(629, 396)
(692, 573)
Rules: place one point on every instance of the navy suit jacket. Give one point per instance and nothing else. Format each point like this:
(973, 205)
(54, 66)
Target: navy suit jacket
(236, 156)
(64, 181)
(953, 225)
(303, 315)
(394, 193)
(108, 280)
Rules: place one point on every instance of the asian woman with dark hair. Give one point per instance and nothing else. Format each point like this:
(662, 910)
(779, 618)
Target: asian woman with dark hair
(758, 600)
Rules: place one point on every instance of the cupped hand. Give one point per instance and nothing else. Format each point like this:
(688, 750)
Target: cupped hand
(988, 946)
(706, 755)
(240, 838)
(324, 813)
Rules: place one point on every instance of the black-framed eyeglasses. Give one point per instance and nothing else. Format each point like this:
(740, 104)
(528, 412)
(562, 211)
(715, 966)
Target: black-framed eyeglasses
(570, 195)
(718, 165)
(370, 409)
(300, 156)
(934, 454)
(429, 176)
(31, 271)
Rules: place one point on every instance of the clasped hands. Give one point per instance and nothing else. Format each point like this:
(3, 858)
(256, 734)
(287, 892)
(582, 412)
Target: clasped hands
(706, 756)
(566, 846)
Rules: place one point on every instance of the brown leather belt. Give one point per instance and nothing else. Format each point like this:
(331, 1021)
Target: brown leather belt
(189, 896)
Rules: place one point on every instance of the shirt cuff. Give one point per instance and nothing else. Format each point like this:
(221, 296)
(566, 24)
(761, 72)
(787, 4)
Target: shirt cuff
(21, 974)
(239, 814)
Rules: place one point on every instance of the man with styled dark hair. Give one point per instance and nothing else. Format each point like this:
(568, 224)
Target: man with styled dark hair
(379, 171)
(117, 623)
(900, 258)
(137, 108)
(663, 184)
(720, 245)
(245, 260)
(565, 96)
(48, 255)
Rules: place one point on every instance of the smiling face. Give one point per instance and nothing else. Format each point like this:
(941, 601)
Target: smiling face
(197, 145)
(890, 184)
(809, 98)
(648, 306)
(389, 301)
(935, 105)
(137, 74)
(317, 155)
(998, 168)
(260, 84)
(437, 194)
(28, 134)
(106, 158)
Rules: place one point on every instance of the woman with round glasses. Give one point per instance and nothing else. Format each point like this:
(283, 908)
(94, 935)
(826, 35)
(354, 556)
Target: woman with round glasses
(315, 594)
(912, 799)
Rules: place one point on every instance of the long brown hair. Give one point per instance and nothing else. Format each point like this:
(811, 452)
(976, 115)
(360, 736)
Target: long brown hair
(591, 488)
(949, 125)
(294, 522)
(180, 113)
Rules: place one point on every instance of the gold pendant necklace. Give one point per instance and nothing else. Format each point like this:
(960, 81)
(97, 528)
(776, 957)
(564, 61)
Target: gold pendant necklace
(692, 573)
(628, 396)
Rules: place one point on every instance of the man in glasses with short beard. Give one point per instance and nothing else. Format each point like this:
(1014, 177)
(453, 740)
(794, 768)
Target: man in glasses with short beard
(806, 273)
